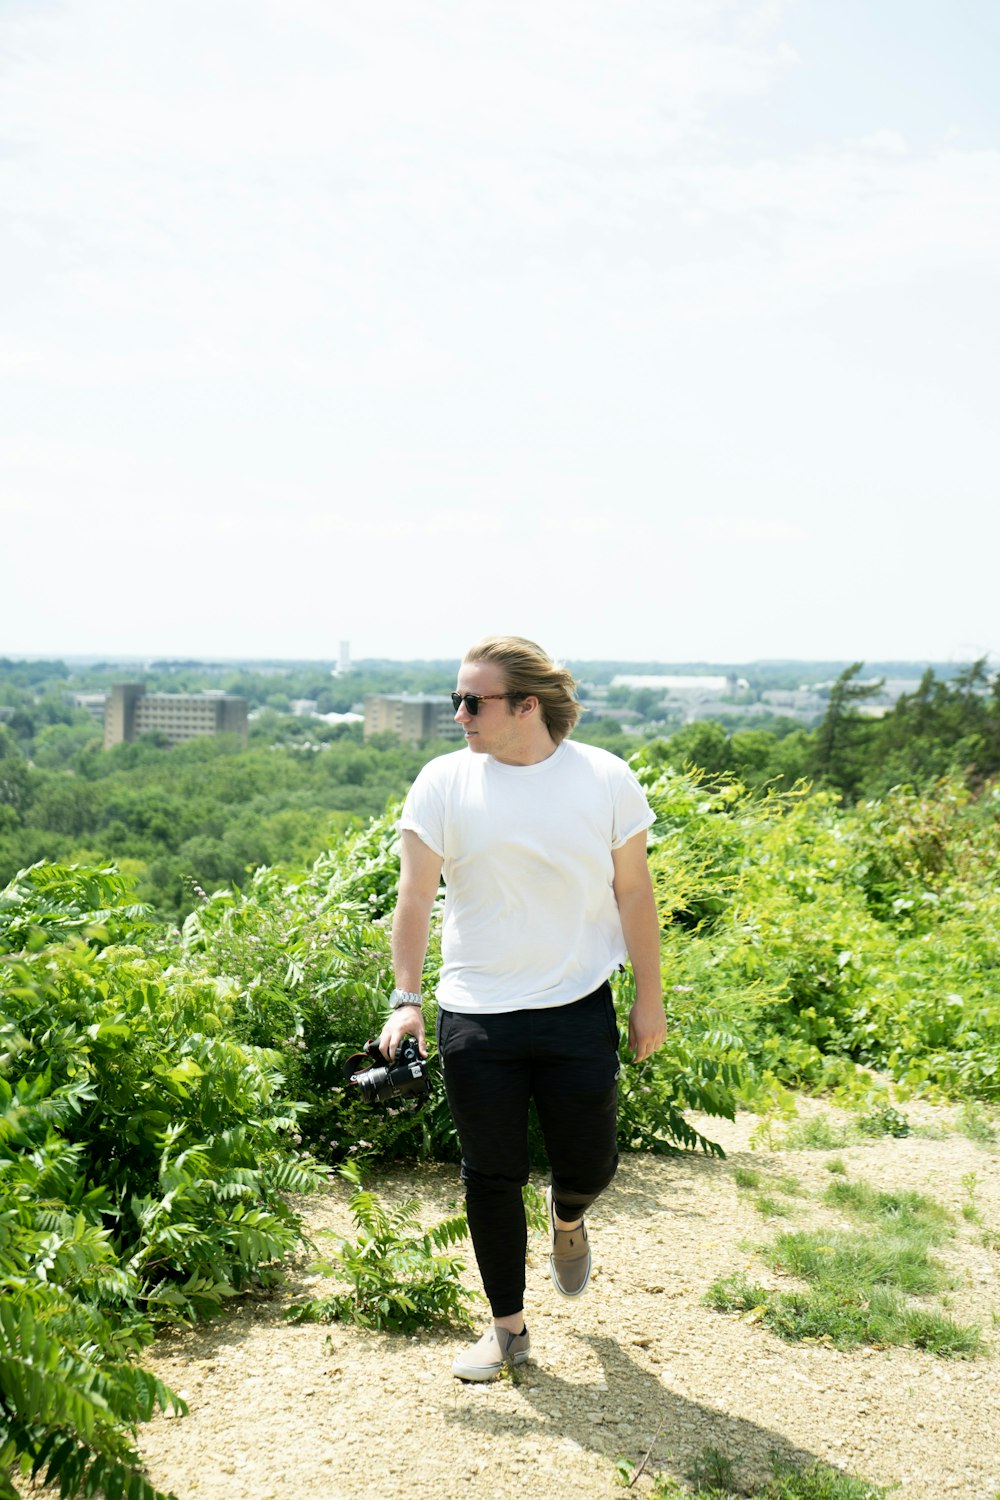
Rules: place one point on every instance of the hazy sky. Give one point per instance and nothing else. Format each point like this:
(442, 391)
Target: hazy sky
(649, 328)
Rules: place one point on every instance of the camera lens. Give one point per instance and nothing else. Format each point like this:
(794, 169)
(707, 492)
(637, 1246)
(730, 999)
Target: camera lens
(404, 1078)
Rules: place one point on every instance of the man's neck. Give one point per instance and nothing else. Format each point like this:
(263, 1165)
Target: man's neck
(536, 749)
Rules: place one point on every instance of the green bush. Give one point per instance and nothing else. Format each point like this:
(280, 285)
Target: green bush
(146, 1155)
(828, 940)
(402, 1276)
(70, 1324)
(160, 1091)
(308, 964)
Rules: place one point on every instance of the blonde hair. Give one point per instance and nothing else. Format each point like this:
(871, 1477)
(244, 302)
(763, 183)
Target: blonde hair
(529, 672)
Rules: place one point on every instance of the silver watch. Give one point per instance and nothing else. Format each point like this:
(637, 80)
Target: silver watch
(399, 998)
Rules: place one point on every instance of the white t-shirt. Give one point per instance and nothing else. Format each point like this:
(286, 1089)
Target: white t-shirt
(530, 917)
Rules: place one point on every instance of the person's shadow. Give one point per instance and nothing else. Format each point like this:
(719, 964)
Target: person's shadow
(636, 1413)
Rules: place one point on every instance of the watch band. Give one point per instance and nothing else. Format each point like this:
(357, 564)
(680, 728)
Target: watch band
(399, 998)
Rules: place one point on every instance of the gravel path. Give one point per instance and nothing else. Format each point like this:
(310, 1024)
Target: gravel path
(281, 1412)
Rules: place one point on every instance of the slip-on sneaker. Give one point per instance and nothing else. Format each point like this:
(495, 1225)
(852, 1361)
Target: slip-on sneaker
(569, 1261)
(488, 1355)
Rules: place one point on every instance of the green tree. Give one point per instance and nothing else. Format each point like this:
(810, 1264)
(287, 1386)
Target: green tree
(57, 745)
(15, 788)
(838, 757)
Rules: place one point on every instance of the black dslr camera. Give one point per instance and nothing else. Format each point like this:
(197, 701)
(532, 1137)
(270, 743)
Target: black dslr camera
(380, 1079)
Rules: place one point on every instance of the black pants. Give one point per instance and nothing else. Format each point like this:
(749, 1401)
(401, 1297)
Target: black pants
(565, 1058)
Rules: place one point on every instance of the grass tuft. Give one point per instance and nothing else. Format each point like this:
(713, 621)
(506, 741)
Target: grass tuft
(858, 1283)
(770, 1207)
(714, 1475)
(907, 1213)
(766, 1202)
(713, 1471)
(819, 1133)
(854, 1263)
(975, 1123)
(819, 1482)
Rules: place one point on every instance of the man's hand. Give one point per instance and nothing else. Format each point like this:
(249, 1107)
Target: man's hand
(647, 1028)
(647, 1024)
(408, 1020)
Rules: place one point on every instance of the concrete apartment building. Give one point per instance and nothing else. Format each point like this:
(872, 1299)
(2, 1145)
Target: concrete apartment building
(131, 711)
(95, 704)
(411, 716)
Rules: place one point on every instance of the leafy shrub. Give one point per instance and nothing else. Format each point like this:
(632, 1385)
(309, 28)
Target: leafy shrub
(786, 917)
(883, 1119)
(183, 1126)
(308, 963)
(48, 903)
(70, 1391)
(699, 1069)
(145, 1159)
(402, 1276)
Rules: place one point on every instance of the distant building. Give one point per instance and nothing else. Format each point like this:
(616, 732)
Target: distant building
(94, 703)
(131, 711)
(677, 686)
(343, 660)
(798, 700)
(411, 716)
(349, 718)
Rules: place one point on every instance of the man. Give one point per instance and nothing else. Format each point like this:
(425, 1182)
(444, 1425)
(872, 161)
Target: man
(542, 843)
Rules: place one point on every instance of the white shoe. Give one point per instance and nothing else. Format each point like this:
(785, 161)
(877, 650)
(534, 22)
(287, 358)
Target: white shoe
(488, 1355)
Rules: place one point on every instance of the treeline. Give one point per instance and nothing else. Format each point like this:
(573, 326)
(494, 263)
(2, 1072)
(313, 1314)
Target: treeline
(203, 814)
(943, 729)
(206, 814)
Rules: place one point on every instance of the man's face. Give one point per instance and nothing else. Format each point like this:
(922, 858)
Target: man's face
(494, 730)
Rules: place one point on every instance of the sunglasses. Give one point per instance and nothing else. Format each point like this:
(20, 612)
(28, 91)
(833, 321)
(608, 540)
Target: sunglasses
(473, 700)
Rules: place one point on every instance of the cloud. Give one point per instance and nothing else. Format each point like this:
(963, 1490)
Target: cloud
(319, 187)
(406, 272)
(316, 125)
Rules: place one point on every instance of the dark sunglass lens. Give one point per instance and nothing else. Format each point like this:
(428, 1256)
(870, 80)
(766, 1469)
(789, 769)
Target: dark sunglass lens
(472, 703)
(456, 701)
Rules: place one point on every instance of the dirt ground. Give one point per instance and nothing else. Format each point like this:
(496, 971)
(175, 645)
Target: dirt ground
(306, 1412)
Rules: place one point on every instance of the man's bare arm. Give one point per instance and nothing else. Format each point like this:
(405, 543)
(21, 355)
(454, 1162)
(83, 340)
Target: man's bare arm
(647, 1025)
(419, 879)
